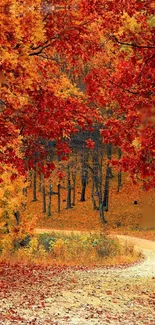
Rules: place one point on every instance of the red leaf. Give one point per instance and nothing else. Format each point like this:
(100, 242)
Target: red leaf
(90, 144)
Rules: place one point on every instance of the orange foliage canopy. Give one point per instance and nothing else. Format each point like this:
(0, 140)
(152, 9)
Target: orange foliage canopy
(39, 97)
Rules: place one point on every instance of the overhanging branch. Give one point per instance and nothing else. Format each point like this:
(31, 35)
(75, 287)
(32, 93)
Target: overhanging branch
(132, 44)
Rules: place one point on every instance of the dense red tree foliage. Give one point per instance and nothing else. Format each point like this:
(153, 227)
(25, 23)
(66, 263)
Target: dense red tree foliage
(50, 51)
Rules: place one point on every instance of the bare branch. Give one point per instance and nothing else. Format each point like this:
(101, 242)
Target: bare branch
(40, 51)
(127, 90)
(132, 44)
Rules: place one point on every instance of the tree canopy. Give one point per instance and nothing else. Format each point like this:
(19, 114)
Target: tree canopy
(69, 64)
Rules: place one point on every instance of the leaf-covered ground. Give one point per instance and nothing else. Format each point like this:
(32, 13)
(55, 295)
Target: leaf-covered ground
(123, 215)
(59, 295)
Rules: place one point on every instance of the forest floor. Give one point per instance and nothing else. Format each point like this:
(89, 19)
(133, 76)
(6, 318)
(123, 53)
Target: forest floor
(124, 217)
(39, 295)
(63, 295)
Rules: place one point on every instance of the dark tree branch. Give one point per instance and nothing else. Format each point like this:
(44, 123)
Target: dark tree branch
(20, 133)
(124, 89)
(39, 46)
(2, 102)
(40, 51)
(132, 44)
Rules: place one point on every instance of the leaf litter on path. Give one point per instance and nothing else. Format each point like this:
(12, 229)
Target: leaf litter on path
(40, 295)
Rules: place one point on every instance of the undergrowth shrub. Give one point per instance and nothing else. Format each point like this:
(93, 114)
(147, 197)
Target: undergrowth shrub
(107, 247)
(96, 249)
(46, 240)
(83, 248)
(18, 243)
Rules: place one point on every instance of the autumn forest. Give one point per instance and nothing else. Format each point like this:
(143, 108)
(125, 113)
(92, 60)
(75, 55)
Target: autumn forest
(77, 162)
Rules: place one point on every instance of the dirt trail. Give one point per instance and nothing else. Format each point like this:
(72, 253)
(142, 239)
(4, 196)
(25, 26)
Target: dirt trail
(97, 296)
(61, 231)
(142, 244)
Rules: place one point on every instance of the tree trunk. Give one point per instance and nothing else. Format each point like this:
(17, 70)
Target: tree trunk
(25, 191)
(95, 176)
(49, 200)
(35, 183)
(101, 209)
(43, 195)
(119, 176)
(31, 178)
(84, 176)
(83, 193)
(96, 173)
(102, 217)
(109, 156)
(93, 194)
(74, 187)
(24, 204)
(59, 198)
(17, 216)
(69, 189)
(100, 181)
(106, 189)
(101, 203)
(40, 182)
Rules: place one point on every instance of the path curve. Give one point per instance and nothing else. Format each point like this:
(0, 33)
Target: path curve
(98, 296)
(110, 296)
(147, 266)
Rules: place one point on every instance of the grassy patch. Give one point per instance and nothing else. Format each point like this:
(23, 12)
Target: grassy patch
(75, 249)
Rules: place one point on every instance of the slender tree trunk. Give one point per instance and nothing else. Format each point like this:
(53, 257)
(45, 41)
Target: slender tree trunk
(59, 198)
(17, 216)
(93, 194)
(25, 189)
(24, 204)
(40, 182)
(96, 174)
(43, 195)
(44, 198)
(31, 178)
(119, 176)
(100, 167)
(74, 187)
(69, 189)
(35, 183)
(49, 200)
(109, 156)
(84, 176)
(83, 193)
(101, 209)
(106, 189)
(100, 186)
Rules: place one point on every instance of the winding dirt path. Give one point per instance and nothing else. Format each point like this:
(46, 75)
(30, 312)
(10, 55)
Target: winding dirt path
(97, 296)
(113, 296)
